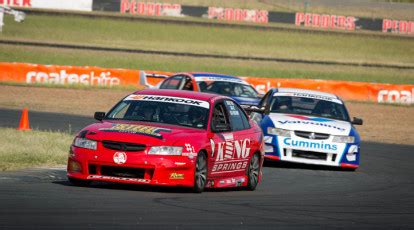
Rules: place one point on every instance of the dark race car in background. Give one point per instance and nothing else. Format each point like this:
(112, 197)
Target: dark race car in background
(170, 138)
(234, 87)
(308, 127)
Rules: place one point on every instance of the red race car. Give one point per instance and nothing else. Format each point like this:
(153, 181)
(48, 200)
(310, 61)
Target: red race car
(171, 138)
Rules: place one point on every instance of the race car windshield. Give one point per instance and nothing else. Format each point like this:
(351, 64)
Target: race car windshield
(160, 112)
(309, 106)
(231, 89)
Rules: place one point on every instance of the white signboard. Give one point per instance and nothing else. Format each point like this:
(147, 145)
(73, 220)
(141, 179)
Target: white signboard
(78, 5)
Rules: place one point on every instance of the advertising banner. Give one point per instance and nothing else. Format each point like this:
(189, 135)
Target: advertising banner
(97, 76)
(78, 5)
(66, 75)
(258, 16)
(347, 90)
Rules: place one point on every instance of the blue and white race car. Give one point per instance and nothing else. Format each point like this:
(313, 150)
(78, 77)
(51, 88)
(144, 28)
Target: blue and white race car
(231, 86)
(308, 127)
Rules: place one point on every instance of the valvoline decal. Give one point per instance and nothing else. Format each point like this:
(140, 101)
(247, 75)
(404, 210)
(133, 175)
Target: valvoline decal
(318, 119)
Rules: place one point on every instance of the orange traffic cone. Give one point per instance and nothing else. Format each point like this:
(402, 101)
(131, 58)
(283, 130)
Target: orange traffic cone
(24, 120)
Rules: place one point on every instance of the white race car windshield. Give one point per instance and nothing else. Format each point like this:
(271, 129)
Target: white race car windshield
(309, 106)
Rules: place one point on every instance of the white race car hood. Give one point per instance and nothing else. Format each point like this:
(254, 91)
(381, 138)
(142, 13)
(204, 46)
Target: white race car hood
(310, 124)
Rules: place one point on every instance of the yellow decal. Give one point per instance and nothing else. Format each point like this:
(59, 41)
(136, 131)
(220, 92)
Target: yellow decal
(177, 176)
(137, 129)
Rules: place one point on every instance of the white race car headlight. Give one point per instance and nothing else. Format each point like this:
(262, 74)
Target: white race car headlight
(343, 139)
(85, 143)
(279, 132)
(166, 150)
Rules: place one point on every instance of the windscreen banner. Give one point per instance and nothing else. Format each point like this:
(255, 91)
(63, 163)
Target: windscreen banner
(76, 5)
(109, 77)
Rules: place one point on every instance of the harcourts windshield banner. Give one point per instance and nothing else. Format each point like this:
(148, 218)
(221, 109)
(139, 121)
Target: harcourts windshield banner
(77, 5)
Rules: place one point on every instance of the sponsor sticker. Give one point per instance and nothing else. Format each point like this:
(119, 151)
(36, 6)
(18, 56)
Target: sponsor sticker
(189, 151)
(120, 158)
(318, 119)
(177, 100)
(206, 79)
(177, 176)
(310, 145)
(309, 95)
(232, 156)
(118, 178)
(311, 121)
(137, 129)
(228, 136)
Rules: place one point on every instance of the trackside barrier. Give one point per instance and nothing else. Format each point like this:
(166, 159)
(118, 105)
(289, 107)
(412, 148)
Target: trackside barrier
(97, 76)
(79, 5)
(258, 16)
(228, 14)
(347, 90)
(66, 75)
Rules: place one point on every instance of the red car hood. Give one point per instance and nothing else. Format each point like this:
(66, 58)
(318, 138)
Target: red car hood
(141, 132)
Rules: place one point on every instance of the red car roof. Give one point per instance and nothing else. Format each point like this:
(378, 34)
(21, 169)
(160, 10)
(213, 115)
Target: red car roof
(179, 93)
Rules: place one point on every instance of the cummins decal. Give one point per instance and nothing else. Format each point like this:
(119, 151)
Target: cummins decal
(310, 145)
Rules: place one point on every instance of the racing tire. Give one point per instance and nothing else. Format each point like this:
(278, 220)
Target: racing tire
(253, 172)
(79, 182)
(200, 174)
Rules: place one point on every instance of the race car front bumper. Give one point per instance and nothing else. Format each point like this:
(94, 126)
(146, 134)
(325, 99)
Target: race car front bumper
(338, 155)
(138, 168)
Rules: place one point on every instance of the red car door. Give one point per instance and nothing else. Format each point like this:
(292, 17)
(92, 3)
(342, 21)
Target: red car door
(244, 138)
(230, 144)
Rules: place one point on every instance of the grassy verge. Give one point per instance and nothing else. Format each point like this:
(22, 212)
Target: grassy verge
(180, 64)
(210, 40)
(25, 149)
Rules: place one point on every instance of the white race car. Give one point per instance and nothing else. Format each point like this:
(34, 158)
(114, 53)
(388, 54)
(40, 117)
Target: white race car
(308, 127)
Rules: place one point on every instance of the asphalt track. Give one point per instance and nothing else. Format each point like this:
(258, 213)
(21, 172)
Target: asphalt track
(379, 195)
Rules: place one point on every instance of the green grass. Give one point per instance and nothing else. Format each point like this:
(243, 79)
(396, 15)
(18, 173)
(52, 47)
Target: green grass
(214, 40)
(180, 64)
(26, 149)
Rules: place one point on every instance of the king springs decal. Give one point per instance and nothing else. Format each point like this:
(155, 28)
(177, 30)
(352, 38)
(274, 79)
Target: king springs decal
(232, 156)
(137, 129)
